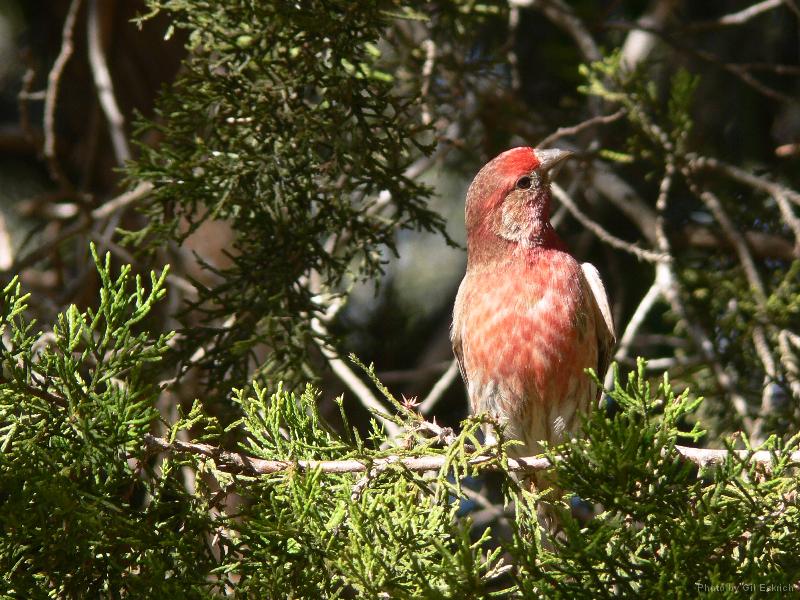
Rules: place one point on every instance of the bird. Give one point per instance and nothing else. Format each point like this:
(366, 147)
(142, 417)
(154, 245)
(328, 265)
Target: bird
(528, 319)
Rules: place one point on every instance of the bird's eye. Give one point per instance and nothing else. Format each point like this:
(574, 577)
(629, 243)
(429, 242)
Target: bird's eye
(523, 183)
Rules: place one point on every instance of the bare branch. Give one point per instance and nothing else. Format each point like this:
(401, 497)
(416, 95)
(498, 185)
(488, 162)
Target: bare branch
(427, 74)
(237, 462)
(633, 326)
(703, 342)
(777, 69)
(670, 287)
(24, 96)
(583, 125)
(439, 388)
(362, 393)
(416, 373)
(640, 43)
(105, 87)
(51, 95)
(667, 363)
(764, 245)
(560, 13)
(737, 70)
(599, 231)
(123, 200)
(81, 225)
(738, 18)
(792, 6)
(625, 198)
(779, 192)
(789, 359)
(511, 55)
(737, 241)
(760, 341)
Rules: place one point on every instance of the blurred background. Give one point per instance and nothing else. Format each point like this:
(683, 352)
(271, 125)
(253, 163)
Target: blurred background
(693, 81)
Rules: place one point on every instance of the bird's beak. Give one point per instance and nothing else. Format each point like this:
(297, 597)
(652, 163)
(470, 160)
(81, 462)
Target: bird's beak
(550, 158)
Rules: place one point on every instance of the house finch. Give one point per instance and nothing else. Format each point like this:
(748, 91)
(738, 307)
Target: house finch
(528, 318)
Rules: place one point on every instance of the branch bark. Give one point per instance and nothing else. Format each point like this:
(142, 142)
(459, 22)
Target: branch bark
(237, 462)
(51, 95)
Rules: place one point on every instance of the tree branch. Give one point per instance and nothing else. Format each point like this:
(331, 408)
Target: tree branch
(738, 18)
(634, 324)
(583, 125)
(600, 232)
(439, 388)
(362, 393)
(51, 95)
(560, 13)
(105, 86)
(237, 462)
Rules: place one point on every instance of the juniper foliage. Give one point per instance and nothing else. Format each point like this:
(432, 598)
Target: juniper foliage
(88, 508)
(284, 125)
(76, 398)
(296, 123)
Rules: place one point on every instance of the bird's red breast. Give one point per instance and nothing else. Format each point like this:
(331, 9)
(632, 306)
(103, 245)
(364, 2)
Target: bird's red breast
(527, 332)
(528, 319)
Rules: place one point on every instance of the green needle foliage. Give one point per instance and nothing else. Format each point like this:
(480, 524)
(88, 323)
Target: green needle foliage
(669, 528)
(295, 124)
(87, 507)
(78, 515)
(282, 124)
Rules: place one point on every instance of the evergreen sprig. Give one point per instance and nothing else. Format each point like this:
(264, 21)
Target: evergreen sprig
(85, 507)
(284, 126)
(78, 514)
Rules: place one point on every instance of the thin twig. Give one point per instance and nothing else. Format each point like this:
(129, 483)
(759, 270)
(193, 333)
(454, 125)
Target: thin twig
(700, 337)
(789, 359)
(105, 86)
(600, 232)
(759, 293)
(777, 69)
(427, 75)
(734, 19)
(330, 307)
(414, 374)
(34, 390)
(583, 125)
(26, 95)
(792, 6)
(560, 13)
(633, 326)
(625, 198)
(82, 224)
(51, 95)
(668, 282)
(667, 363)
(237, 462)
(778, 191)
(345, 373)
(511, 53)
(39, 253)
(638, 43)
(439, 388)
(123, 200)
(763, 245)
(737, 70)
(737, 241)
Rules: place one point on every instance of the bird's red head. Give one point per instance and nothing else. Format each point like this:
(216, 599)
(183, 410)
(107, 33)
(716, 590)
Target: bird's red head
(508, 202)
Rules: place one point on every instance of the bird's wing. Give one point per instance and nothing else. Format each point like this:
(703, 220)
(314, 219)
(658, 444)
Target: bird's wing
(605, 325)
(455, 331)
